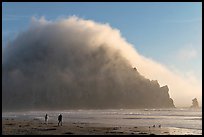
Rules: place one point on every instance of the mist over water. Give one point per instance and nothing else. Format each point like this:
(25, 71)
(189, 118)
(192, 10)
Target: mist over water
(76, 63)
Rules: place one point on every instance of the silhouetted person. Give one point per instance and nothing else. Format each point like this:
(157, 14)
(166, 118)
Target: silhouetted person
(60, 119)
(46, 119)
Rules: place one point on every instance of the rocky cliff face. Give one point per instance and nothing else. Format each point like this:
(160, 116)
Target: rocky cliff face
(45, 68)
(96, 82)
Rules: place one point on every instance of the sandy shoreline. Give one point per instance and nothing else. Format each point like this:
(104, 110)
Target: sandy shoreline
(12, 126)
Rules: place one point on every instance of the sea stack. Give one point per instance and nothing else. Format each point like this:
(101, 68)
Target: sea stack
(195, 103)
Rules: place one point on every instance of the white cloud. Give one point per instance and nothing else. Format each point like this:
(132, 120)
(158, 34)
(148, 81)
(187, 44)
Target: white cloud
(42, 20)
(182, 88)
(187, 54)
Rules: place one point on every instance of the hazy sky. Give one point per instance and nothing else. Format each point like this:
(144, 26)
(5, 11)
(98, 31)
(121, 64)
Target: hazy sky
(169, 33)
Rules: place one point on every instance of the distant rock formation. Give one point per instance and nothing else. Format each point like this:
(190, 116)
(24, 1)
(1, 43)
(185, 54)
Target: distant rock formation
(88, 81)
(195, 103)
(134, 91)
(57, 67)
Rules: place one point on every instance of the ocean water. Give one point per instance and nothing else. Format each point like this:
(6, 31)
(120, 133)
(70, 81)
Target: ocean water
(183, 118)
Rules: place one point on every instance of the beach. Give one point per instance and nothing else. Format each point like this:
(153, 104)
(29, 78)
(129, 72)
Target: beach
(14, 126)
(178, 121)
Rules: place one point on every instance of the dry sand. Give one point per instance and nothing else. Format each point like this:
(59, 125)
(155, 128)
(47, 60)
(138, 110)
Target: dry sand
(11, 126)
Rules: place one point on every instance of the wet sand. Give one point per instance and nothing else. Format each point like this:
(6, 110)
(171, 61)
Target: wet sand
(12, 126)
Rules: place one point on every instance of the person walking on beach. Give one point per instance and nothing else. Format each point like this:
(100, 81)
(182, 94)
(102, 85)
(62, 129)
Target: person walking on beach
(60, 119)
(46, 119)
